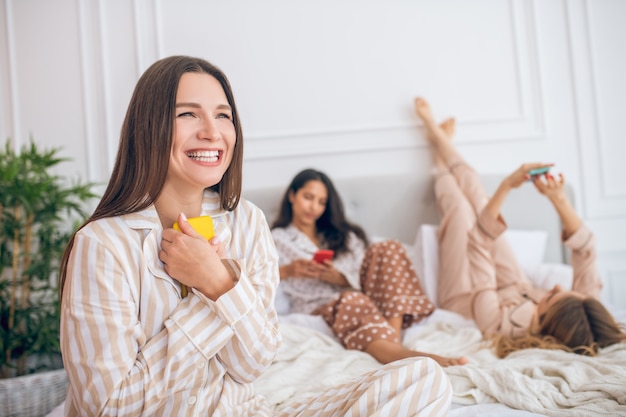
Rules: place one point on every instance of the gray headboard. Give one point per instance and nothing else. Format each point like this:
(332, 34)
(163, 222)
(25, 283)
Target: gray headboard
(394, 206)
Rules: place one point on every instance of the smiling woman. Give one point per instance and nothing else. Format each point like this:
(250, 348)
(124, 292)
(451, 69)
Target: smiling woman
(124, 269)
(204, 137)
(132, 337)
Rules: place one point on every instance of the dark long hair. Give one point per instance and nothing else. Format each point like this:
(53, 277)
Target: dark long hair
(146, 141)
(332, 224)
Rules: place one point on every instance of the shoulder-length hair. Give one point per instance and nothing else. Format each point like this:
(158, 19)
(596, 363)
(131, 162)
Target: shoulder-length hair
(332, 224)
(145, 145)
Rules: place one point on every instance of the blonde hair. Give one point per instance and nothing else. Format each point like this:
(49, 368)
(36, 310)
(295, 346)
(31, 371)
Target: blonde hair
(573, 324)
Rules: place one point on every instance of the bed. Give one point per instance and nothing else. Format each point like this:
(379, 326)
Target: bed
(527, 383)
(533, 382)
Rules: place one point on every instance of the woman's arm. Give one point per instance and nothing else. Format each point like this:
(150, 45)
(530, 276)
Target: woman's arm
(514, 180)
(576, 236)
(554, 189)
(348, 264)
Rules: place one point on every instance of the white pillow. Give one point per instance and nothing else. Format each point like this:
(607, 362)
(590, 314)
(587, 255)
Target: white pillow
(528, 245)
(549, 274)
(427, 259)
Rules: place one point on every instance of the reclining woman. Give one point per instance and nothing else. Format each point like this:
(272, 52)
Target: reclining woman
(367, 293)
(479, 276)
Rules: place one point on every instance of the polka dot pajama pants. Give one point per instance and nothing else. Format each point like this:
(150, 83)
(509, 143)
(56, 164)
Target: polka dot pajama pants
(390, 289)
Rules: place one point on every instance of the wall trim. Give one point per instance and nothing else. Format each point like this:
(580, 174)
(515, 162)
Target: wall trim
(529, 124)
(146, 34)
(597, 201)
(13, 80)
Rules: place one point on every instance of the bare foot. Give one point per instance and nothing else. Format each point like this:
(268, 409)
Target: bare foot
(449, 127)
(445, 361)
(422, 109)
(439, 136)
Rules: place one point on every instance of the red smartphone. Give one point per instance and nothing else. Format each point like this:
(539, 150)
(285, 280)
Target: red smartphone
(323, 255)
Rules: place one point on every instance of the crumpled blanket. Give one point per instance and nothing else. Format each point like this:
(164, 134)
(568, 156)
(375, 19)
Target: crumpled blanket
(548, 382)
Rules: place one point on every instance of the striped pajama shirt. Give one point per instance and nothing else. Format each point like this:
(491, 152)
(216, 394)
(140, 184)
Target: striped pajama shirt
(132, 346)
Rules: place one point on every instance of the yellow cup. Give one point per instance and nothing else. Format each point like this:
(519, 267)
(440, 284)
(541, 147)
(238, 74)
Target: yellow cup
(201, 224)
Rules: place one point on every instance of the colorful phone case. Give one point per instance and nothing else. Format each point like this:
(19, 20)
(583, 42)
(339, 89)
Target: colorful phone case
(538, 171)
(201, 224)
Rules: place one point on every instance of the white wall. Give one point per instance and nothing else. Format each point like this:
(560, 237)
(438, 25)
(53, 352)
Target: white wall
(330, 84)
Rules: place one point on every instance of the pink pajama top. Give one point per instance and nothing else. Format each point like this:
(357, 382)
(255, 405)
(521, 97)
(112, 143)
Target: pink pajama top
(510, 310)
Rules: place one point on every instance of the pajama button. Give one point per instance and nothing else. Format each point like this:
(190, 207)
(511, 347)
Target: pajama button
(201, 364)
(191, 400)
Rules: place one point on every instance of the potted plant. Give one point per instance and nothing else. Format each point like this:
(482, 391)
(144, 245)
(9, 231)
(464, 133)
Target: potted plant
(37, 211)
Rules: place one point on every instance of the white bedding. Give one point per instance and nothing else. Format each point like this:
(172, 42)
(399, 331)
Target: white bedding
(530, 383)
(527, 383)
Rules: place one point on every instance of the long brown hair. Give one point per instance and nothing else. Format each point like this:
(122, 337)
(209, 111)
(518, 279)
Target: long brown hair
(574, 324)
(332, 224)
(146, 141)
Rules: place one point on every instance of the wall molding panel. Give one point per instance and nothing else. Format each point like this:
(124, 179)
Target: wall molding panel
(94, 89)
(330, 84)
(602, 201)
(12, 118)
(614, 277)
(5, 104)
(147, 33)
(526, 124)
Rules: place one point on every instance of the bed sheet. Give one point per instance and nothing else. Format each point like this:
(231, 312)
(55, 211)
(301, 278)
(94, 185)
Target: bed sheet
(532, 382)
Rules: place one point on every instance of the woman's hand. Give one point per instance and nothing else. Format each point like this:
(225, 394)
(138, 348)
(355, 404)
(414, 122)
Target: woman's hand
(521, 175)
(307, 268)
(218, 246)
(551, 186)
(327, 272)
(300, 268)
(193, 261)
(514, 180)
(554, 189)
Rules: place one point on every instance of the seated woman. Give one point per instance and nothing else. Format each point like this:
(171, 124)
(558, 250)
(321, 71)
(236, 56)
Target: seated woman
(161, 322)
(367, 293)
(479, 276)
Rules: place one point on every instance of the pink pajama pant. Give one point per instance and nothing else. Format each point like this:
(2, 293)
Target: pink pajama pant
(471, 258)
(390, 289)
